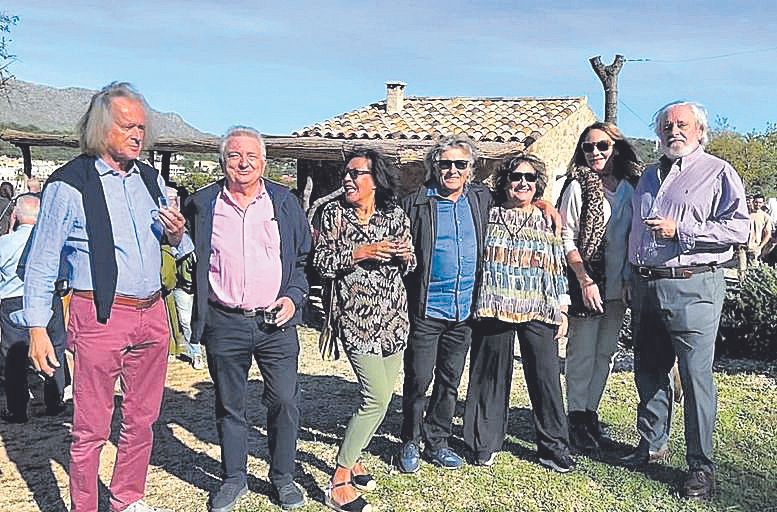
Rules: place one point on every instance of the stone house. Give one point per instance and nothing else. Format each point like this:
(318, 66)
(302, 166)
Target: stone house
(404, 127)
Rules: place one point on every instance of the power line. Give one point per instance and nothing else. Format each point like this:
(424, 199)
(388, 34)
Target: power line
(710, 57)
(633, 112)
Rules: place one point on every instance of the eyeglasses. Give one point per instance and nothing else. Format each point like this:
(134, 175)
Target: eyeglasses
(444, 165)
(353, 173)
(251, 158)
(530, 177)
(602, 145)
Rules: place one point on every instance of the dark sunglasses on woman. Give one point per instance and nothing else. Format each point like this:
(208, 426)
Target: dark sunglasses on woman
(602, 145)
(530, 177)
(353, 173)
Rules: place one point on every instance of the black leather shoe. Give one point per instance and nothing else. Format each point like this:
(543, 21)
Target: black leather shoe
(581, 440)
(700, 485)
(289, 496)
(598, 431)
(9, 417)
(224, 500)
(641, 456)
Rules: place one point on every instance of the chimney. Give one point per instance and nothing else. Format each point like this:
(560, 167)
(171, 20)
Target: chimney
(395, 96)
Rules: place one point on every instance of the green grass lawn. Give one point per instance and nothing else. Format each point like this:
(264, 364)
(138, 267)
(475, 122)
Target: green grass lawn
(745, 449)
(185, 461)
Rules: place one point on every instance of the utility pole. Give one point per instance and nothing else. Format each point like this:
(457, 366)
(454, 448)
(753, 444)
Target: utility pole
(609, 78)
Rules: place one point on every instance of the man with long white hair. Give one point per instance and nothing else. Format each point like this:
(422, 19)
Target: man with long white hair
(105, 215)
(689, 212)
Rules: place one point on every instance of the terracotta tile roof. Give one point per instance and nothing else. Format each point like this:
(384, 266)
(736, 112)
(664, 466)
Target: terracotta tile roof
(483, 119)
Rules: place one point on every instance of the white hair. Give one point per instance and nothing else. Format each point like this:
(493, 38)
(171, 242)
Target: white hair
(239, 131)
(699, 112)
(94, 125)
(27, 208)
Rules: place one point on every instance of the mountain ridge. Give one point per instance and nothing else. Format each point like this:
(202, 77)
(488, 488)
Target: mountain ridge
(59, 109)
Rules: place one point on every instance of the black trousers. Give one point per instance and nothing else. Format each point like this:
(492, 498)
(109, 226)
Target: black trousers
(435, 348)
(490, 380)
(232, 341)
(15, 347)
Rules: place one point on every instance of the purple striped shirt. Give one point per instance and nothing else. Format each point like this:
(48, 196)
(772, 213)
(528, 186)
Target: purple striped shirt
(705, 196)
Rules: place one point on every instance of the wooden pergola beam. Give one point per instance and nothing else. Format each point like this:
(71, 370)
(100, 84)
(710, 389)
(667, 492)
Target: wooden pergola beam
(26, 157)
(403, 151)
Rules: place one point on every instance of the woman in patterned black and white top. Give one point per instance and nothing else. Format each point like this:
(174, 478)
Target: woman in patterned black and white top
(365, 246)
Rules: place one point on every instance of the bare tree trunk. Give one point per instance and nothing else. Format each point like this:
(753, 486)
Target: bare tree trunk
(609, 78)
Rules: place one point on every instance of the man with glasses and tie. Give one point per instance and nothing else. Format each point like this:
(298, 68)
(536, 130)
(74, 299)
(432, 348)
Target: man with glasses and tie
(698, 212)
(448, 215)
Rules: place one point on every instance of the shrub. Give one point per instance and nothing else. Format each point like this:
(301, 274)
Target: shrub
(748, 324)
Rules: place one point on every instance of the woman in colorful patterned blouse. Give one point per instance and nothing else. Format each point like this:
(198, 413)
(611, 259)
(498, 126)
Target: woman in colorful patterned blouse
(523, 291)
(365, 246)
(596, 207)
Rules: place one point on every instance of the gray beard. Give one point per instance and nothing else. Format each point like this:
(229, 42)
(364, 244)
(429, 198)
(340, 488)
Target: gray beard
(670, 153)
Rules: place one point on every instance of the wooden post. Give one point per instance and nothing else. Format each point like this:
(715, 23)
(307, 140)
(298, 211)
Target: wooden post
(27, 157)
(609, 78)
(166, 166)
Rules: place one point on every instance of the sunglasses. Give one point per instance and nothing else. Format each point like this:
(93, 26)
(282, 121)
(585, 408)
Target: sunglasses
(353, 173)
(602, 145)
(446, 164)
(530, 177)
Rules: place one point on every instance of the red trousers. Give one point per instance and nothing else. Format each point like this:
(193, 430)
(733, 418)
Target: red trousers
(132, 347)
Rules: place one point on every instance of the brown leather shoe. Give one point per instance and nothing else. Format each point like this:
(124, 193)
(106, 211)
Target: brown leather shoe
(700, 485)
(641, 456)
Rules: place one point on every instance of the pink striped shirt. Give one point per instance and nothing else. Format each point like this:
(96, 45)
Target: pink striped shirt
(245, 259)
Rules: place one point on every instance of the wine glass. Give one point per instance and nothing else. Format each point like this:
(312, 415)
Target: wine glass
(647, 212)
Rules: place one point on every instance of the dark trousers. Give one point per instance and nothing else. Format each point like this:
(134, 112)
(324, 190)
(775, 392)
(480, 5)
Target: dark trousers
(15, 347)
(232, 340)
(435, 348)
(491, 373)
(677, 318)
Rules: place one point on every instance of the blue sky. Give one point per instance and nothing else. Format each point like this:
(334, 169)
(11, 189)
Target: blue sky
(280, 66)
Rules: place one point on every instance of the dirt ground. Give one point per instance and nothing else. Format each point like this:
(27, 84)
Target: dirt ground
(185, 461)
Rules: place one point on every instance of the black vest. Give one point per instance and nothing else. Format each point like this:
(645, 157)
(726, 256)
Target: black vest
(81, 174)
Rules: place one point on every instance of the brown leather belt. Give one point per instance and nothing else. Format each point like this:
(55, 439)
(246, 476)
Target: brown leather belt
(123, 300)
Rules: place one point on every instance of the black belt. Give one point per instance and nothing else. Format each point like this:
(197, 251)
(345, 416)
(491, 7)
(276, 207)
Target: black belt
(248, 313)
(674, 272)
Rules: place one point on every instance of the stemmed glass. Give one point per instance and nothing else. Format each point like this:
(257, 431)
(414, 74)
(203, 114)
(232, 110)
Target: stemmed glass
(647, 212)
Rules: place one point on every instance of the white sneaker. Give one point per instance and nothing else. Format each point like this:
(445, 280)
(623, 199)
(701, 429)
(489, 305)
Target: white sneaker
(67, 393)
(198, 363)
(141, 506)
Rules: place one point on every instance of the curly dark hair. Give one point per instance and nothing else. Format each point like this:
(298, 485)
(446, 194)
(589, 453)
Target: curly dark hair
(384, 174)
(624, 162)
(508, 165)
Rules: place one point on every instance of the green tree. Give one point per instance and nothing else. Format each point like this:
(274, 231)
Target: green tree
(6, 58)
(753, 155)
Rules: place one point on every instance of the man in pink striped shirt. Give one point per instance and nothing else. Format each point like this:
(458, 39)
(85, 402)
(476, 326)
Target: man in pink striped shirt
(251, 243)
